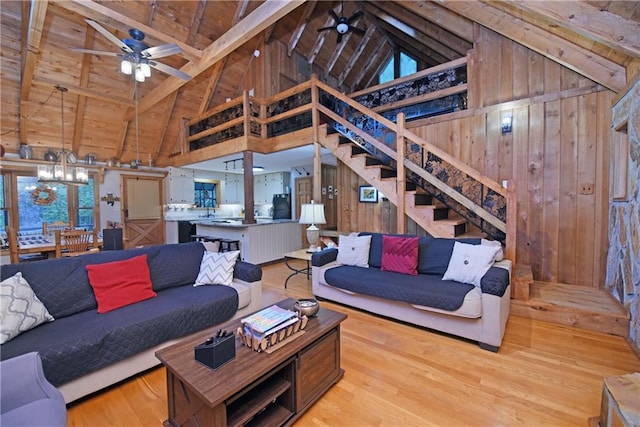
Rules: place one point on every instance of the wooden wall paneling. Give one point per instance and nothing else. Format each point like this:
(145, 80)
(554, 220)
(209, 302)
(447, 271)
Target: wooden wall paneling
(492, 145)
(492, 67)
(586, 180)
(520, 76)
(533, 244)
(505, 70)
(479, 44)
(569, 79)
(505, 161)
(536, 73)
(520, 176)
(478, 153)
(601, 225)
(466, 139)
(473, 85)
(568, 189)
(549, 230)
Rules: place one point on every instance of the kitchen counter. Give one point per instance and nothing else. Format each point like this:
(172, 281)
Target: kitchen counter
(261, 242)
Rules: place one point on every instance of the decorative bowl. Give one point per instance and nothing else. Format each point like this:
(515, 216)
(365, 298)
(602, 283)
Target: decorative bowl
(306, 307)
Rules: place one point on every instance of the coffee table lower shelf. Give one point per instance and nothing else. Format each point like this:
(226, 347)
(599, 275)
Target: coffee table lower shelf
(255, 388)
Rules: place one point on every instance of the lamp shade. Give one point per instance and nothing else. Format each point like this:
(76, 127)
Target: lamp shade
(312, 213)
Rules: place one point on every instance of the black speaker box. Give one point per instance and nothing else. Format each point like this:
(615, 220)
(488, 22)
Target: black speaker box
(216, 351)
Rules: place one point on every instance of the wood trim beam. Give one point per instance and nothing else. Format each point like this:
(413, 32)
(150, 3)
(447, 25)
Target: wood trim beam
(591, 22)
(460, 25)
(356, 54)
(111, 18)
(375, 59)
(576, 58)
(82, 100)
(164, 124)
(196, 21)
(257, 21)
(300, 27)
(338, 51)
(125, 123)
(31, 52)
(320, 39)
(216, 70)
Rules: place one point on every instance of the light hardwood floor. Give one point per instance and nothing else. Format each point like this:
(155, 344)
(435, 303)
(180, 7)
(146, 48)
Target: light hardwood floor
(400, 375)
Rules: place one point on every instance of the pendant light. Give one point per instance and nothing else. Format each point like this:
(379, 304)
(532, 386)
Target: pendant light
(61, 172)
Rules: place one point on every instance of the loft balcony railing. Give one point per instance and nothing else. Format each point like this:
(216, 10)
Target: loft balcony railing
(438, 90)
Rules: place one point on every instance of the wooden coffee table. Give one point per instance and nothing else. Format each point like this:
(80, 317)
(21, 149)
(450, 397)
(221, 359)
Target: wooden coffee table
(266, 389)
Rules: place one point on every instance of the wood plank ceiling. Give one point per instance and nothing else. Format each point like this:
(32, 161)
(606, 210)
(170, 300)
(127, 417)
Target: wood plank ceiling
(599, 39)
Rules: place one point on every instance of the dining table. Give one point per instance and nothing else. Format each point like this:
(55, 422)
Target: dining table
(44, 244)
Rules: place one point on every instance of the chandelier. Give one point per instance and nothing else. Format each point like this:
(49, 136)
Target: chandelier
(61, 172)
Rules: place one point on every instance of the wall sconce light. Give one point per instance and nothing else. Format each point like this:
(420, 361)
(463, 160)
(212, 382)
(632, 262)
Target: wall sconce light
(507, 123)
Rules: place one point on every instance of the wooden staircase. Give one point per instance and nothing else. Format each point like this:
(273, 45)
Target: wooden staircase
(435, 218)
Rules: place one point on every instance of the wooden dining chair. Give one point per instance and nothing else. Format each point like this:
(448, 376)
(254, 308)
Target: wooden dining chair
(51, 227)
(76, 242)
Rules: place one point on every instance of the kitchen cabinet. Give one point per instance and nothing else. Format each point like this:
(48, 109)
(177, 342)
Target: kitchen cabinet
(233, 189)
(268, 184)
(180, 186)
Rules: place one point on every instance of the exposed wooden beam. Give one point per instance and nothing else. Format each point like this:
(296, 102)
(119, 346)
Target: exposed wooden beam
(31, 45)
(218, 67)
(110, 17)
(196, 21)
(373, 60)
(164, 124)
(124, 126)
(356, 54)
(257, 21)
(595, 24)
(457, 24)
(302, 24)
(378, 70)
(576, 58)
(320, 39)
(82, 100)
(89, 93)
(440, 39)
(338, 51)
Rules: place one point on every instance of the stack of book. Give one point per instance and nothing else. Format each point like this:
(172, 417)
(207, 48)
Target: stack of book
(269, 326)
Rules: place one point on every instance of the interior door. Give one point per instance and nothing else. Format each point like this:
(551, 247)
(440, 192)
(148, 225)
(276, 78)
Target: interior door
(142, 211)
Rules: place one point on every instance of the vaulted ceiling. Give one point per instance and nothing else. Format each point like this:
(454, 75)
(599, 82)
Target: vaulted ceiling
(599, 39)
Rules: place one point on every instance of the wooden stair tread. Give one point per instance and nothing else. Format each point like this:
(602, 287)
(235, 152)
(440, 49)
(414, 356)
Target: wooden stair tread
(572, 305)
(451, 221)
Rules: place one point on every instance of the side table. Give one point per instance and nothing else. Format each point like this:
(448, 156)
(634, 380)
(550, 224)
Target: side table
(301, 254)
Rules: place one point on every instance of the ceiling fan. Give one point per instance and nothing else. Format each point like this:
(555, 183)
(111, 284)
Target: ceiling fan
(343, 24)
(137, 56)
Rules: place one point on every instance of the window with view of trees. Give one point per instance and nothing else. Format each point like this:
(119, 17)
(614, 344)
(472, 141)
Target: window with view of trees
(3, 204)
(205, 194)
(71, 205)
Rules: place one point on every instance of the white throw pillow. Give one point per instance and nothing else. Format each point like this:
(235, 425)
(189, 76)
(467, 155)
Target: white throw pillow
(469, 263)
(500, 254)
(216, 268)
(354, 250)
(20, 308)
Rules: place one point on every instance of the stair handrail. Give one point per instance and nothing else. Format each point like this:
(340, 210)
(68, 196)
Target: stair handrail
(460, 198)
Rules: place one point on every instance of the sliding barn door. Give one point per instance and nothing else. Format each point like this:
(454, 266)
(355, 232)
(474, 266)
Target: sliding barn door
(142, 211)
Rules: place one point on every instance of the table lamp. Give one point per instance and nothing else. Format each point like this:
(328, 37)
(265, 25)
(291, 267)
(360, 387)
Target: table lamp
(312, 213)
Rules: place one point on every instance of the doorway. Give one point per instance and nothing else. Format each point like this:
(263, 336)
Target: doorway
(142, 211)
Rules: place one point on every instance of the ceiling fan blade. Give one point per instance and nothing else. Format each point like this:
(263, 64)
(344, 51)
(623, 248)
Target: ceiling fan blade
(334, 14)
(95, 52)
(169, 70)
(357, 30)
(339, 40)
(355, 16)
(161, 51)
(325, 29)
(113, 39)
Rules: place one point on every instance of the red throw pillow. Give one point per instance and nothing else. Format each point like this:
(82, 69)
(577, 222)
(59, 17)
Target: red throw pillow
(400, 254)
(120, 283)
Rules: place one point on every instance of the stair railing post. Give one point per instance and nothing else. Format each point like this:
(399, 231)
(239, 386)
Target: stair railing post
(401, 225)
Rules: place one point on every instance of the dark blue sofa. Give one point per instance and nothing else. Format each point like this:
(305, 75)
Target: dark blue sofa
(83, 351)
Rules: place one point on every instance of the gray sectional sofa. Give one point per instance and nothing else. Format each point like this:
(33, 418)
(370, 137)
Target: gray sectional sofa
(83, 351)
(478, 313)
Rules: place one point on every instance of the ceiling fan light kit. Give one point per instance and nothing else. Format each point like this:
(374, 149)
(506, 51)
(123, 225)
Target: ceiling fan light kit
(137, 57)
(343, 24)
